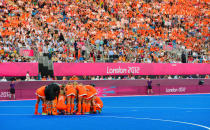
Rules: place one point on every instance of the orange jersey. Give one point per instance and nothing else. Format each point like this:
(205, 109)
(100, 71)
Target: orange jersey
(40, 91)
(81, 90)
(70, 90)
(61, 103)
(98, 102)
(91, 91)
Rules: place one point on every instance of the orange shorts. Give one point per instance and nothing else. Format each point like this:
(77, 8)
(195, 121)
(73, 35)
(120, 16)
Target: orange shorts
(71, 92)
(82, 93)
(90, 95)
(71, 96)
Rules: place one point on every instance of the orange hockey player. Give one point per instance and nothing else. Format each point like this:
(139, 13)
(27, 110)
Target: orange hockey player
(60, 105)
(70, 91)
(99, 104)
(51, 95)
(82, 94)
(40, 95)
(91, 93)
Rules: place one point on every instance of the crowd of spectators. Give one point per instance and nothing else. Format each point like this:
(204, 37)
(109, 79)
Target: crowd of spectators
(14, 33)
(106, 30)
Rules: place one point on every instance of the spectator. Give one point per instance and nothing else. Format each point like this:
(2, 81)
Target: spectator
(49, 78)
(93, 78)
(55, 78)
(102, 78)
(4, 79)
(110, 77)
(32, 78)
(44, 78)
(132, 77)
(64, 78)
(27, 76)
(97, 78)
(39, 76)
(74, 78)
(175, 77)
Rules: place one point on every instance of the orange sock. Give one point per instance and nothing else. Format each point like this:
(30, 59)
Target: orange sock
(87, 108)
(83, 107)
(36, 108)
(44, 108)
(72, 107)
(68, 108)
(79, 108)
(94, 108)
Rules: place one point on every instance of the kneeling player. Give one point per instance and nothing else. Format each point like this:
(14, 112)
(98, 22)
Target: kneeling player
(70, 91)
(51, 92)
(99, 104)
(40, 95)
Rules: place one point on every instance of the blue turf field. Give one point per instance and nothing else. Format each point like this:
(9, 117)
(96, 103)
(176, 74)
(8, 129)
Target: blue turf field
(175, 112)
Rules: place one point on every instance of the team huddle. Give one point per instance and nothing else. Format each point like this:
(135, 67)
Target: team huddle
(61, 99)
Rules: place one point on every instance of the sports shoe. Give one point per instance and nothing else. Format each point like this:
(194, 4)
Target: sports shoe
(78, 113)
(86, 113)
(37, 113)
(94, 112)
(44, 113)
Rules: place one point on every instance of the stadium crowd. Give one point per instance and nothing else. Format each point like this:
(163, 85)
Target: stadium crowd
(106, 30)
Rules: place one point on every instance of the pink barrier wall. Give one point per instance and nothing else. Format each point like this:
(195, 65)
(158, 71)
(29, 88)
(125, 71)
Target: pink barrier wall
(18, 69)
(68, 69)
(26, 90)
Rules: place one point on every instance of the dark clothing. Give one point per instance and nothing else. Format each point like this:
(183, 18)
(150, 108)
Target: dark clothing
(149, 84)
(52, 91)
(12, 88)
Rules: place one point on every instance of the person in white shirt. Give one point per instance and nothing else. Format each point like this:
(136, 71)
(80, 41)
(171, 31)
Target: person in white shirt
(133, 78)
(110, 78)
(32, 79)
(93, 78)
(4, 79)
(97, 78)
(27, 76)
(101, 78)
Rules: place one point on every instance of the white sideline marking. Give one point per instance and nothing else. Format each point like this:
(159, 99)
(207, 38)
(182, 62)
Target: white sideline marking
(17, 100)
(15, 106)
(180, 122)
(123, 107)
